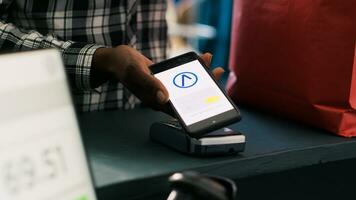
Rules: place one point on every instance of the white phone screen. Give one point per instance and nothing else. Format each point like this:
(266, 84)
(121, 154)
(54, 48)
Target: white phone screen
(193, 93)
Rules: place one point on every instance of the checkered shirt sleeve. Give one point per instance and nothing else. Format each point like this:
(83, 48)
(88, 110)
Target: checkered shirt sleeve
(77, 29)
(76, 56)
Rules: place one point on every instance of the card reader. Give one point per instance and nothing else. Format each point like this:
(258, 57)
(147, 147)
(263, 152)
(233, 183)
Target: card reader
(223, 141)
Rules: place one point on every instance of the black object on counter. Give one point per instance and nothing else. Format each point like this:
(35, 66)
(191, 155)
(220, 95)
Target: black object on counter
(194, 186)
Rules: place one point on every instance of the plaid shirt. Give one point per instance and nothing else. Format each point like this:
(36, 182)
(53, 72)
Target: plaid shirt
(77, 28)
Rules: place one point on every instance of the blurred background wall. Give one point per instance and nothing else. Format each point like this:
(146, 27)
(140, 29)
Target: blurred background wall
(202, 26)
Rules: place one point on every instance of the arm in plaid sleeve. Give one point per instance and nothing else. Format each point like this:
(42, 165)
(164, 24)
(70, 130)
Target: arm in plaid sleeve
(77, 57)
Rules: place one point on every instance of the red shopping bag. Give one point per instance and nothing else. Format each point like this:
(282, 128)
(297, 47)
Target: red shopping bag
(296, 58)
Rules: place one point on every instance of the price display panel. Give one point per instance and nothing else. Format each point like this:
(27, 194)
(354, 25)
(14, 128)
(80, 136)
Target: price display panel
(41, 151)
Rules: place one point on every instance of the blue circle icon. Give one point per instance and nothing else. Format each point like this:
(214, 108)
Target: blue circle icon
(185, 79)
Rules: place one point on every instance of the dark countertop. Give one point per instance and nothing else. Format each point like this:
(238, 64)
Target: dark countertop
(123, 157)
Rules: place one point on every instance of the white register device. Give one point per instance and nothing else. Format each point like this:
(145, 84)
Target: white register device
(41, 151)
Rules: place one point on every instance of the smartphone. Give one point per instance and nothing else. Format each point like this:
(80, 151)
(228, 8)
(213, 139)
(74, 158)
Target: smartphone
(198, 101)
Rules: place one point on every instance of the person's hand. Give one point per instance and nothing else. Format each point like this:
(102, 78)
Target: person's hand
(131, 68)
(217, 72)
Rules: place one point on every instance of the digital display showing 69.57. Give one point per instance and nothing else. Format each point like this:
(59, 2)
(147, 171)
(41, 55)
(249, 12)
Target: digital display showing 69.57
(41, 152)
(45, 166)
(29, 170)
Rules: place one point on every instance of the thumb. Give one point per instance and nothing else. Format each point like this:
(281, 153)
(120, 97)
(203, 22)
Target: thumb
(162, 94)
(154, 91)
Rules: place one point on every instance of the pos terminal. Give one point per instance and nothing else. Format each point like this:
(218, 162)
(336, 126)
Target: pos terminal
(224, 141)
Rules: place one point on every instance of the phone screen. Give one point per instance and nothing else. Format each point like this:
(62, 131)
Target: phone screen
(193, 93)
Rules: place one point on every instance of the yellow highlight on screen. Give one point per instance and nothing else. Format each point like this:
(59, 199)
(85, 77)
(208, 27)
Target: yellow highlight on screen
(212, 99)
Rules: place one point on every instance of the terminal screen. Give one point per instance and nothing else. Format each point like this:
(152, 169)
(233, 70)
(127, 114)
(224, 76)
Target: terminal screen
(41, 151)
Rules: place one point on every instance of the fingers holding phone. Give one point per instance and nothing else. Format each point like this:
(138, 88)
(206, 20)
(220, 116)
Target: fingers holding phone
(218, 71)
(131, 68)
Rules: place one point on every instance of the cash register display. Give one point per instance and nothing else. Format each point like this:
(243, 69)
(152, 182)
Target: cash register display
(41, 152)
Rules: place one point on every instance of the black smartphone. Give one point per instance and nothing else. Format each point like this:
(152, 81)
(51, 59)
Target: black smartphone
(200, 104)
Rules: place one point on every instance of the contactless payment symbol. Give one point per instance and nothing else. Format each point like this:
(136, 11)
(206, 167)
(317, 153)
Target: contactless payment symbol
(185, 79)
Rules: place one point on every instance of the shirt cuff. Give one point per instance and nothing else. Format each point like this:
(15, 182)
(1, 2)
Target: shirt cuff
(77, 58)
